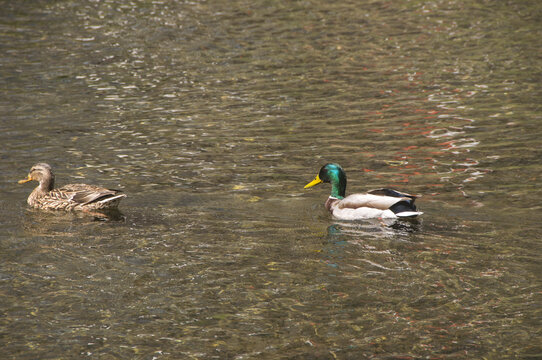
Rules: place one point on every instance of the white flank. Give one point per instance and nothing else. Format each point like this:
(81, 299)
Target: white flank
(362, 213)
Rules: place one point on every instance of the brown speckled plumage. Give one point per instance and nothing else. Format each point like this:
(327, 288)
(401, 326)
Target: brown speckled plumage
(69, 197)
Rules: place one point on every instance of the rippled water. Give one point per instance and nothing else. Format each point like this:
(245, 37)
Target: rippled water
(212, 116)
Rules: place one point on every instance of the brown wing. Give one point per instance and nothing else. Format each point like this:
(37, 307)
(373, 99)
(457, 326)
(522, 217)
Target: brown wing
(83, 193)
(390, 192)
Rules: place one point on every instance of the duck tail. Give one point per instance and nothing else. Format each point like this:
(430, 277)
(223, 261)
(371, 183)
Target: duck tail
(405, 208)
(109, 199)
(408, 214)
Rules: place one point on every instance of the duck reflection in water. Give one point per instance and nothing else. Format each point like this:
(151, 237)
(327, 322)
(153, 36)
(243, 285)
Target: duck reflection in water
(370, 241)
(55, 223)
(375, 228)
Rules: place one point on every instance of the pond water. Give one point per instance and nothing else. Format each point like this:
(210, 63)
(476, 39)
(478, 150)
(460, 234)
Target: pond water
(212, 116)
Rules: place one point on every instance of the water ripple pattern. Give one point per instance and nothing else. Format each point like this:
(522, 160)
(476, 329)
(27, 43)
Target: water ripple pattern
(211, 116)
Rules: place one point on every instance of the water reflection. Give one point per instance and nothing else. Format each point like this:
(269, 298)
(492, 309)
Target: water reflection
(64, 223)
(374, 228)
(369, 246)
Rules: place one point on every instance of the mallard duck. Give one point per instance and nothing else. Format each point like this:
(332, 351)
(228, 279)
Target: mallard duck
(379, 203)
(69, 197)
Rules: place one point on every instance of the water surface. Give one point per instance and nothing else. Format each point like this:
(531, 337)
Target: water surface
(212, 116)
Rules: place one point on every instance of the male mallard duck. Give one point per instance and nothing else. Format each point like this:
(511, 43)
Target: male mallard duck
(69, 197)
(379, 203)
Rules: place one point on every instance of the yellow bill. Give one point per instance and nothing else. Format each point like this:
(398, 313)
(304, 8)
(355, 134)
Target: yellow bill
(25, 180)
(316, 181)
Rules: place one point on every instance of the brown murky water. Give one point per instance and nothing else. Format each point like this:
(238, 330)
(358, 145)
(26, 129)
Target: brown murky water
(212, 116)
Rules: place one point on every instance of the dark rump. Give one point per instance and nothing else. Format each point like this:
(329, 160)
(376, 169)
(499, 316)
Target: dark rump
(405, 205)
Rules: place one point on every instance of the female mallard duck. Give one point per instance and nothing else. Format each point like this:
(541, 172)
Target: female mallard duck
(69, 197)
(379, 203)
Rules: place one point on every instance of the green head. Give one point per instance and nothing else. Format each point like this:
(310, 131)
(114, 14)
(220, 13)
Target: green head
(333, 174)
